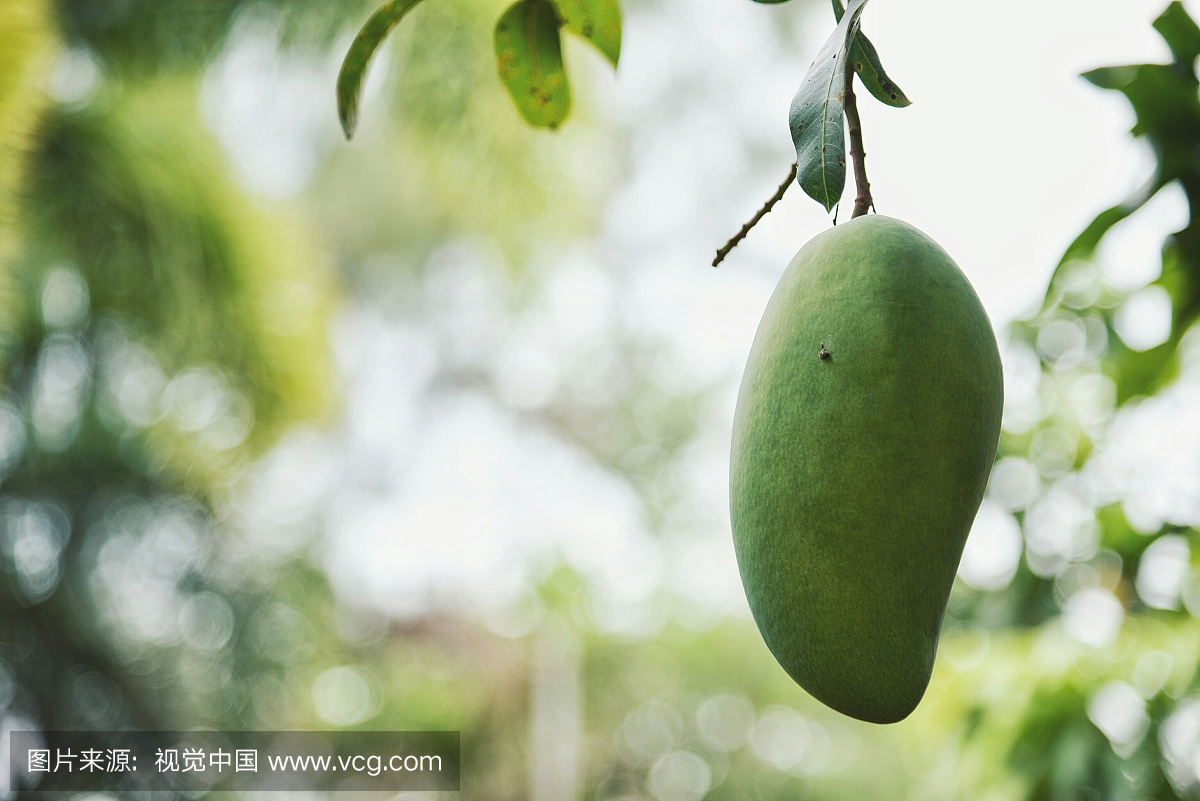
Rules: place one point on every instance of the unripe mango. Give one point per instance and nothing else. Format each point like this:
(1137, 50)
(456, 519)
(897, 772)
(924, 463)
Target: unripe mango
(865, 431)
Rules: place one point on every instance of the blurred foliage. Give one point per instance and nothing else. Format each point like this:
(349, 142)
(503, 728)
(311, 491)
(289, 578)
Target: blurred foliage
(138, 39)
(182, 273)
(459, 165)
(1166, 99)
(1094, 724)
(705, 693)
(1074, 335)
(25, 40)
(528, 42)
(164, 330)
(1019, 712)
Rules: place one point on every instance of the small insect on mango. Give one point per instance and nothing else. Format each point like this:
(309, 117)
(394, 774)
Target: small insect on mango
(824, 354)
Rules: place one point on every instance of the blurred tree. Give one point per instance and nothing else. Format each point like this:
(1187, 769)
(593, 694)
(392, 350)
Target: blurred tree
(25, 40)
(1106, 668)
(130, 194)
(164, 330)
(460, 164)
(138, 39)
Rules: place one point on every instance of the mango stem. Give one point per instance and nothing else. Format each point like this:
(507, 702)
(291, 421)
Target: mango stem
(863, 202)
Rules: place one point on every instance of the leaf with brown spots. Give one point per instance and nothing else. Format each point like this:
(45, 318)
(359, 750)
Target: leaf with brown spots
(598, 21)
(529, 57)
(869, 69)
(816, 116)
(354, 67)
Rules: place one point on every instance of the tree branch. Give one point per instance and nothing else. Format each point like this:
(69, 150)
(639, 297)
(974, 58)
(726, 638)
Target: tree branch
(863, 201)
(732, 243)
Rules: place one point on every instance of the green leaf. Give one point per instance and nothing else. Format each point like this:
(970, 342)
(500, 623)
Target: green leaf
(1167, 105)
(1084, 246)
(598, 21)
(1086, 243)
(1180, 31)
(866, 64)
(529, 56)
(869, 69)
(358, 58)
(1166, 101)
(816, 116)
(1111, 77)
(1164, 96)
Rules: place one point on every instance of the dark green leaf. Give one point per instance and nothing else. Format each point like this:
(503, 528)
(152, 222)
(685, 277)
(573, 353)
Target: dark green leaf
(358, 58)
(1167, 105)
(598, 21)
(1164, 96)
(529, 56)
(1086, 243)
(1165, 99)
(816, 116)
(1145, 372)
(1111, 77)
(1084, 246)
(869, 69)
(1181, 32)
(866, 64)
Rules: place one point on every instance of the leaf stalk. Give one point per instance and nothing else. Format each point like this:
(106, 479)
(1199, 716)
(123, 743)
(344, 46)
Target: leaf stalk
(863, 202)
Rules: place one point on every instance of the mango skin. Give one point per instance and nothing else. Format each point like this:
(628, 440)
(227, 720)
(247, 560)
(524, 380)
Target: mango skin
(855, 478)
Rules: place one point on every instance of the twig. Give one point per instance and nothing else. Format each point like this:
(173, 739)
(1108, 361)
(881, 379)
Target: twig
(863, 202)
(732, 243)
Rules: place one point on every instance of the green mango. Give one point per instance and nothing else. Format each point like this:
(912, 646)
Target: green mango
(865, 431)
